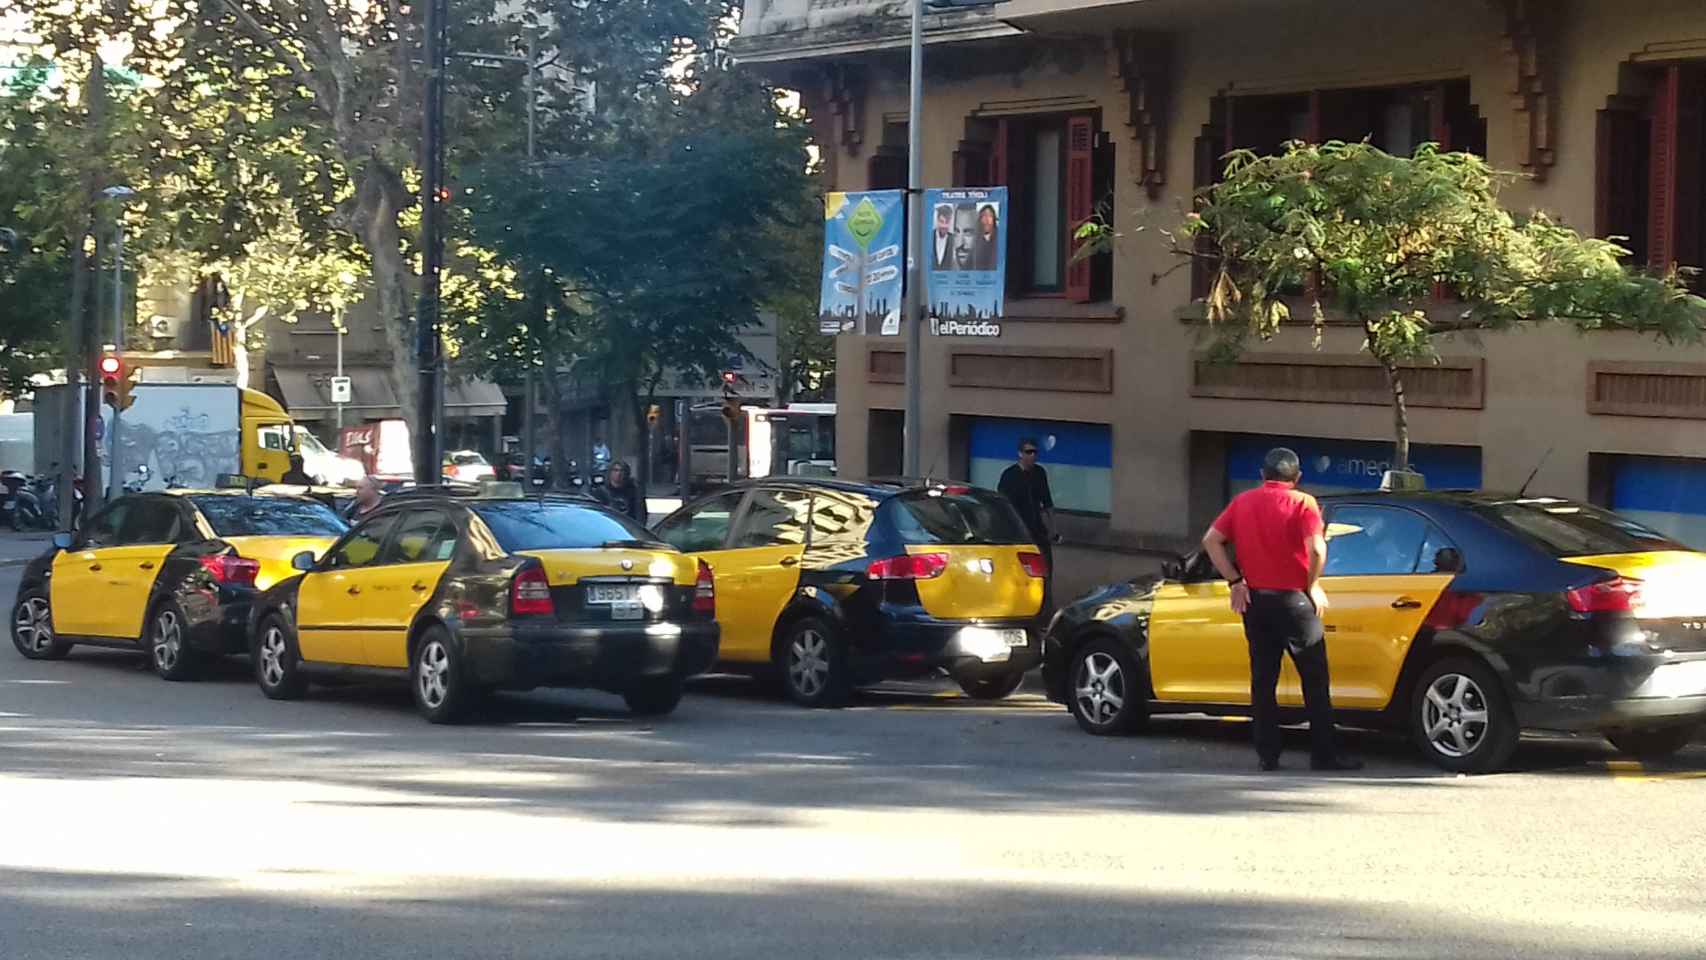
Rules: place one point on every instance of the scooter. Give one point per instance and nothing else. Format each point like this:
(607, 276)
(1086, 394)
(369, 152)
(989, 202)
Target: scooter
(19, 506)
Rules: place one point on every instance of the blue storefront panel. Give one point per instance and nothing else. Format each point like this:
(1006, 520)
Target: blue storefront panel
(1346, 466)
(1079, 458)
(1666, 494)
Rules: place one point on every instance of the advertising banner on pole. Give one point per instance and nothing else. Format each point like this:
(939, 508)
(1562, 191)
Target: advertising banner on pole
(862, 262)
(965, 250)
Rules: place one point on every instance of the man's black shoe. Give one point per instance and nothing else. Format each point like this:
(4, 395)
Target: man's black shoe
(1268, 766)
(1335, 763)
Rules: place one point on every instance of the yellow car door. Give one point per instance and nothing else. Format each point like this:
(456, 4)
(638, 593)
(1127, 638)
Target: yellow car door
(401, 582)
(1197, 652)
(77, 591)
(330, 598)
(701, 530)
(760, 571)
(151, 529)
(1386, 568)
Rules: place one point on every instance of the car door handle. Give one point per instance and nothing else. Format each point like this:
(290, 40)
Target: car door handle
(354, 590)
(94, 567)
(789, 561)
(1405, 603)
(147, 564)
(417, 586)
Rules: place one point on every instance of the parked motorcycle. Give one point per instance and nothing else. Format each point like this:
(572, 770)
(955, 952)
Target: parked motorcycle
(19, 506)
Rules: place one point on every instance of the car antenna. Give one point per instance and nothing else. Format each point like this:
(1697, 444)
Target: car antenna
(1523, 490)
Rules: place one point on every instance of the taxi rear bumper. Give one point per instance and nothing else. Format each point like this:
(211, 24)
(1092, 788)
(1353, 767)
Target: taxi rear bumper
(603, 656)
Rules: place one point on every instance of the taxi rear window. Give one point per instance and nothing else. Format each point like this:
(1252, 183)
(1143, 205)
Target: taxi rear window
(962, 516)
(531, 525)
(1567, 529)
(232, 516)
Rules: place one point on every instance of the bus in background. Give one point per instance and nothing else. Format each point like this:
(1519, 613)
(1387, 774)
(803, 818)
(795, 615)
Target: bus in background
(795, 441)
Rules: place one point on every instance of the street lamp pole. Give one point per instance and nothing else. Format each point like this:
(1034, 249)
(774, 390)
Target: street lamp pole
(914, 302)
(115, 482)
(429, 455)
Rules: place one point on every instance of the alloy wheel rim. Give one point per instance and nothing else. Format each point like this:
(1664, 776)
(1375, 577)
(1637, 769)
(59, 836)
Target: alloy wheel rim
(1455, 717)
(1099, 688)
(808, 663)
(168, 640)
(433, 677)
(34, 625)
(272, 657)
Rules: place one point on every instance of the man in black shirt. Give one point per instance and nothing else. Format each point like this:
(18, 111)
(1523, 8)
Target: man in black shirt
(296, 474)
(621, 494)
(1025, 484)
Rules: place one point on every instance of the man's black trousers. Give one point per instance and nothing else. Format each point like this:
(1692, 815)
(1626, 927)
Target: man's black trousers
(1280, 622)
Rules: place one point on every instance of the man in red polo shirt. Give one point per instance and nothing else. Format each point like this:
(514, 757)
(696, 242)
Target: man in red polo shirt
(1281, 544)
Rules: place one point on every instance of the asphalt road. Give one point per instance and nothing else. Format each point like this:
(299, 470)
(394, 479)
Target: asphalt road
(143, 820)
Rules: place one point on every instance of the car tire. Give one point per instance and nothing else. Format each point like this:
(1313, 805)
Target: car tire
(1105, 690)
(1461, 718)
(998, 687)
(655, 697)
(32, 627)
(278, 662)
(813, 663)
(165, 639)
(442, 694)
(1653, 743)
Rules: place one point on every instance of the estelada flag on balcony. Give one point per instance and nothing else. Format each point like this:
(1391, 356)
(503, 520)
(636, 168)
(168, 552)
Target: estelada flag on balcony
(223, 350)
(862, 238)
(964, 241)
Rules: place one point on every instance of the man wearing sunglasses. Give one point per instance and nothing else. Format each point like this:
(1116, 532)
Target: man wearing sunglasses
(1026, 484)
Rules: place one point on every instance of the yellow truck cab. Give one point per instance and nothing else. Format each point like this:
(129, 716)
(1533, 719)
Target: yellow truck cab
(269, 436)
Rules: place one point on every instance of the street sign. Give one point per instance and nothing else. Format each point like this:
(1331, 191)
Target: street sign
(340, 389)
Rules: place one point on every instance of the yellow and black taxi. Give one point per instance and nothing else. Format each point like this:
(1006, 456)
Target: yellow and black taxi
(462, 592)
(1461, 618)
(824, 585)
(172, 573)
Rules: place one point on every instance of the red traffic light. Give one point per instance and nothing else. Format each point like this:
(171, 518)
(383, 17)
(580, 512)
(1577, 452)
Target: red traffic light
(728, 376)
(110, 366)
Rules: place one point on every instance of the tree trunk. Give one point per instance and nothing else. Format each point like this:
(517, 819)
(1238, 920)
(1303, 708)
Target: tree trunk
(383, 196)
(555, 446)
(1400, 418)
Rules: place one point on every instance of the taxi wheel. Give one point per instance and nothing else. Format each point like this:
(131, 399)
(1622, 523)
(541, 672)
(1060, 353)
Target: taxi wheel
(1106, 696)
(655, 697)
(441, 693)
(1460, 717)
(278, 665)
(168, 644)
(1652, 744)
(812, 659)
(32, 628)
(992, 688)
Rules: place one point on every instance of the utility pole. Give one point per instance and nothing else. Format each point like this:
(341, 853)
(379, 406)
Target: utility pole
(118, 195)
(913, 313)
(88, 321)
(528, 395)
(429, 456)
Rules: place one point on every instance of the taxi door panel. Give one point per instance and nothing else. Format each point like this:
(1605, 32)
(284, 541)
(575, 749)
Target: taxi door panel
(1197, 652)
(79, 580)
(1370, 624)
(754, 584)
(130, 572)
(392, 594)
(325, 617)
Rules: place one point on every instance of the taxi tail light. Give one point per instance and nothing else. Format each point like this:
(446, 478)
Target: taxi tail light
(230, 568)
(1452, 610)
(705, 591)
(530, 593)
(1035, 564)
(908, 566)
(1617, 595)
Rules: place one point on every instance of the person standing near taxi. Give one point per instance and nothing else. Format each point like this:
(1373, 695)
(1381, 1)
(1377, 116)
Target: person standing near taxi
(1280, 543)
(1025, 485)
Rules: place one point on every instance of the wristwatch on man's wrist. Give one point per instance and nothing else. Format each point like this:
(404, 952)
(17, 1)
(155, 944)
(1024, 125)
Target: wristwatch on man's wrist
(1236, 582)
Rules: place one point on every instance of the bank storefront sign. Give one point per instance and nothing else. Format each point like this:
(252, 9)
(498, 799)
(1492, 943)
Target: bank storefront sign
(1347, 466)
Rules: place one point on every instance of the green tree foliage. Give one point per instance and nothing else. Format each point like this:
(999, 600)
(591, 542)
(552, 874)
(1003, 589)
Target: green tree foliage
(35, 276)
(1379, 237)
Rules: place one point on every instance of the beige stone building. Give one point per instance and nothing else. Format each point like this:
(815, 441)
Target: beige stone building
(1124, 106)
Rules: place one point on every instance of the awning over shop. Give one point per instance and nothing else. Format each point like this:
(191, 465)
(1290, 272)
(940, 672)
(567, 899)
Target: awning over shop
(307, 394)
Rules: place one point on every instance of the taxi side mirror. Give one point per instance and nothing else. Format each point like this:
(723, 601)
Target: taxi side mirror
(62, 540)
(303, 561)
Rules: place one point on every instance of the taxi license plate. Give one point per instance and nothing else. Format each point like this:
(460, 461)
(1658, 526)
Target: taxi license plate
(623, 599)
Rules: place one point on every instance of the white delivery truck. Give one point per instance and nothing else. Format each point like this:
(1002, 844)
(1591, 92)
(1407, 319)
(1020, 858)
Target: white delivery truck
(190, 434)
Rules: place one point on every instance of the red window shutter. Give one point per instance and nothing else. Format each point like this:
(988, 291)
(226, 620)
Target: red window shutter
(1080, 200)
(1688, 229)
(998, 156)
(1661, 193)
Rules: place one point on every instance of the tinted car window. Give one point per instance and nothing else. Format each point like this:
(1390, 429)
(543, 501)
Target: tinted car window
(151, 520)
(1374, 541)
(1566, 529)
(554, 525)
(424, 536)
(968, 516)
(703, 527)
(268, 517)
(362, 548)
(102, 529)
(774, 518)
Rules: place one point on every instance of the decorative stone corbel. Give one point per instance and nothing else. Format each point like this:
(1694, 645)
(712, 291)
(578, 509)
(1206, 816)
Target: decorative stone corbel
(1528, 45)
(844, 95)
(1141, 63)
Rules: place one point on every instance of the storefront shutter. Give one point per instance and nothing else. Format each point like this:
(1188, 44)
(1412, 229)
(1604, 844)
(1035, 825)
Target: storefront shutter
(1080, 200)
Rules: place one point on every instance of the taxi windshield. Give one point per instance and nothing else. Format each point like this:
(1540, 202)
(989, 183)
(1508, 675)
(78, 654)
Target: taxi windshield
(955, 515)
(233, 516)
(533, 525)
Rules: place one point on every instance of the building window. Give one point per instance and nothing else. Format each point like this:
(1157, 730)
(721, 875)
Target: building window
(1651, 161)
(1667, 494)
(1348, 466)
(1079, 458)
(1058, 169)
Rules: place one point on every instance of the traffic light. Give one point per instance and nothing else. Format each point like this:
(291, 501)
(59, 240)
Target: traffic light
(116, 382)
